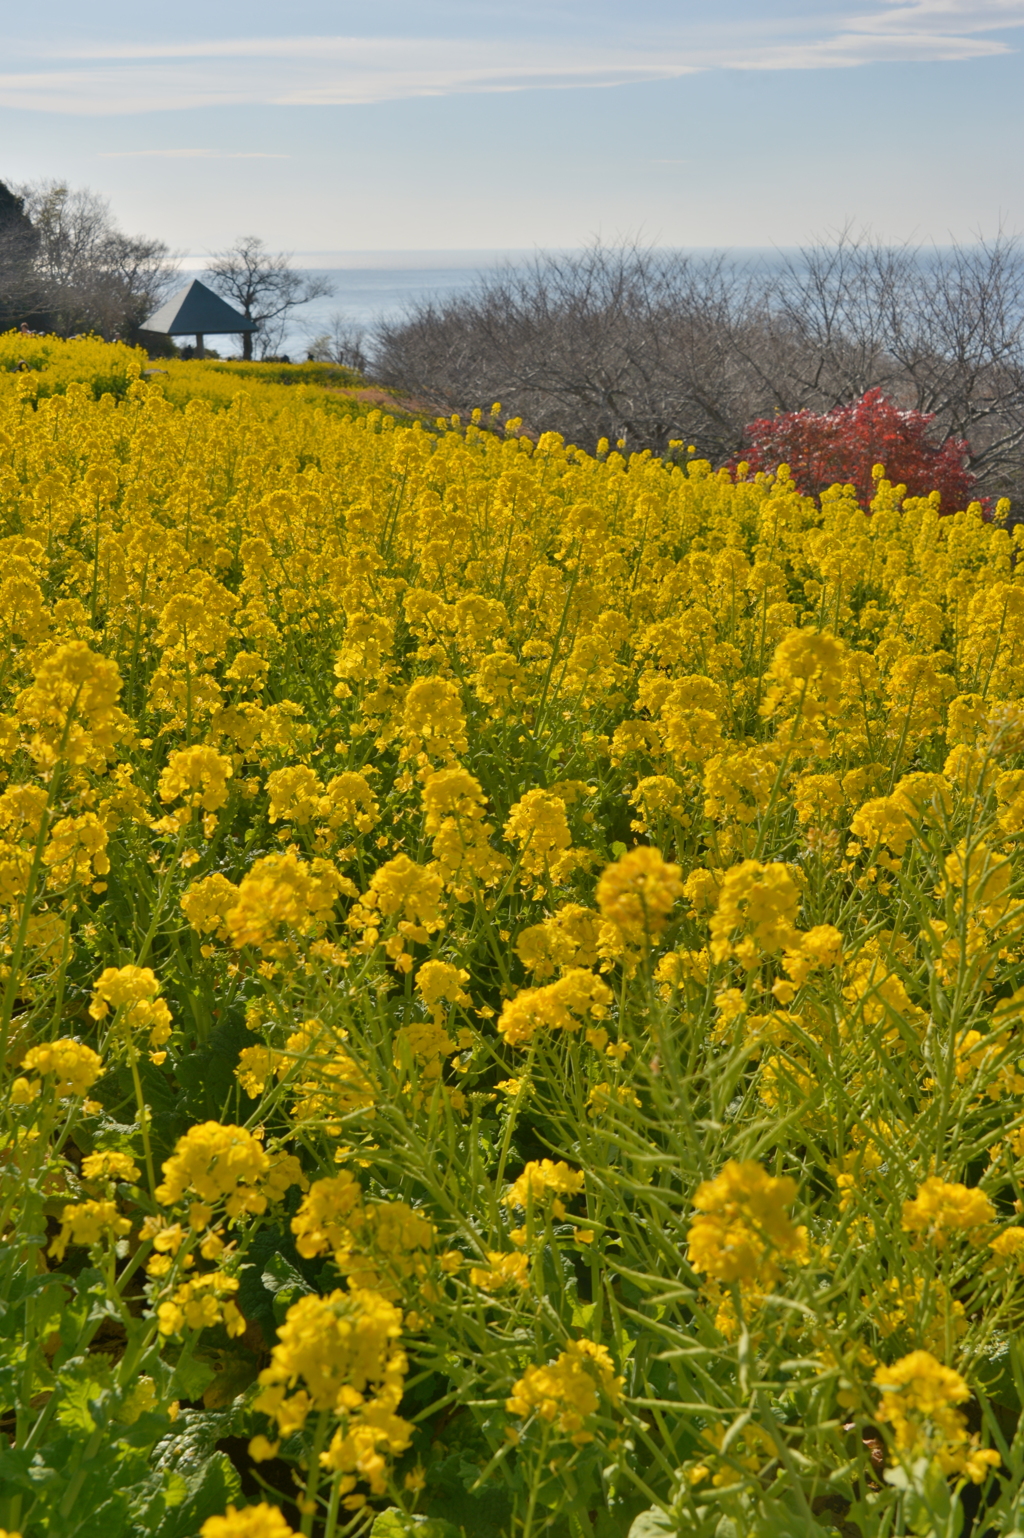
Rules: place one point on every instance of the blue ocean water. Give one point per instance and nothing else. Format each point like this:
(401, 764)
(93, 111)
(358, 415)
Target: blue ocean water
(383, 289)
(383, 285)
(373, 286)
(364, 296)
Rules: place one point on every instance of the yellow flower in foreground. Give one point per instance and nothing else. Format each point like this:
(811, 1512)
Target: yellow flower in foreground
(760, 898)
(639, 892)
(199, 1304)
(343, 1350)
(1009, 1245)
(438, 982)
(743, 1230)
(282, 896)
(807, 672)
(207, 902)
(919, 1396)
(260, 1521)
(75, 1066)
(72, 707)
(538, 824)
(214, 1162)
(198, 775)
(563, 1005)
(569, 1389)
(88, 1223)
(133, 989)
(941, 1208)
(500, 1270)
(109, 1164)
(540, 1178)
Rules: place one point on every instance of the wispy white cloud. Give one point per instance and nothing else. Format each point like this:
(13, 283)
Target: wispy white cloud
(129, 77)
(189, 155)
(317, 72)
(951, 17)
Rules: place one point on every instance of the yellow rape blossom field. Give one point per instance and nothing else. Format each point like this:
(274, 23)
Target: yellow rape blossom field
(512, 1004)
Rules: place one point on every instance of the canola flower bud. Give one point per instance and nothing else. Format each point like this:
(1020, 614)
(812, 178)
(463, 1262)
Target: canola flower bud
(569, 1392)
(743, 1231)
(919, 1399)
(75, 1066)
(638, 892)
(259, 1521)
(133, 990)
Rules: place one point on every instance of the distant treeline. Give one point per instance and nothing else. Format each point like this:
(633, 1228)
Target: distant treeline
(66, 266)
(655, 346)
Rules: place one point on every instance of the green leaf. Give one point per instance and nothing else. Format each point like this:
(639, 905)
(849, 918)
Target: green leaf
(237, 1371)
(209, 1491)
(23, 1470)
(279, 1272)
(175, 1491)
(192, 1376)
(272, 1265)
(285, 1284)
(101, 1519)
(581, 1315)
(654, 1523)
(777, 1520)
(395, 1523)
(79, 1399)
(207, 1073)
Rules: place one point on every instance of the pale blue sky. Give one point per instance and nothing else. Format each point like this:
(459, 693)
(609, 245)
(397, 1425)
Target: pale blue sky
(456, 125)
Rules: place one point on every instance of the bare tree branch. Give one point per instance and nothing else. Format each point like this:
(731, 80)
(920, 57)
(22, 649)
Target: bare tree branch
(266, 289)
(652, 346)
(88, 274)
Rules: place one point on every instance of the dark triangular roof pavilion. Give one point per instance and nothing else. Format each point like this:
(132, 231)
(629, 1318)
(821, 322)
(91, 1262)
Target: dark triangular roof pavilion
(196, 310)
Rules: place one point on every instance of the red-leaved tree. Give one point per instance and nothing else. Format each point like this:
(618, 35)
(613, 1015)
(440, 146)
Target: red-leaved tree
(842, 445)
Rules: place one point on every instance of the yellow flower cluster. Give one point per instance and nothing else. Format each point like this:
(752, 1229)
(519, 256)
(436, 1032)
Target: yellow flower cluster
(134, 990)
(412, 831)
(261, 1521)
(743, 1232)
(564, 1005)
(343, 1350)
(74, 1066)
(541, 1179)
(217, 1164)
(569, 1390)
(942, 1208)
(88, 1223)
(386, 1246)
(919, 1399)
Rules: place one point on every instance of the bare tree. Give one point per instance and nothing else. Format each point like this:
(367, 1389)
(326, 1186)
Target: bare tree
(20, 291)
(266, 289)
(650, 346)
(91, 276)
(344, 343)
(592, 344)
(941, 331)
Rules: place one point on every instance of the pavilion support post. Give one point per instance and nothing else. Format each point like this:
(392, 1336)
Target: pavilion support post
(200, 345)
